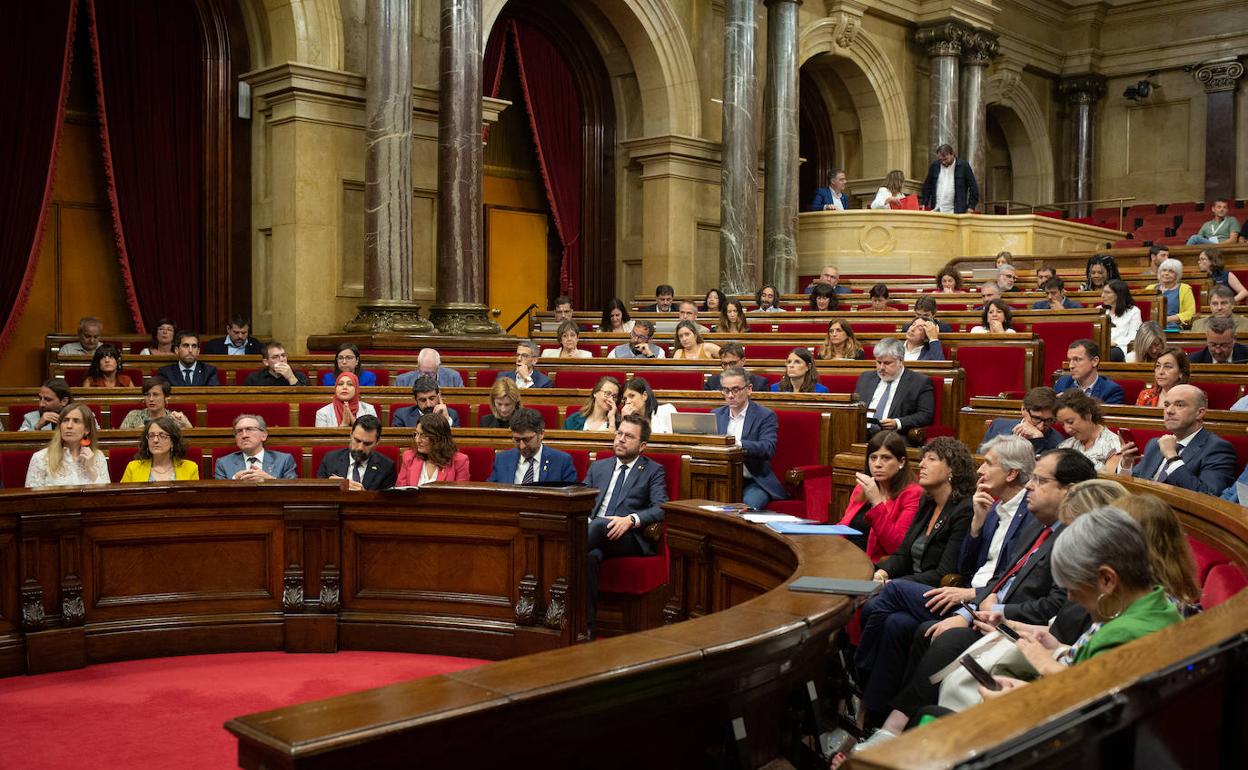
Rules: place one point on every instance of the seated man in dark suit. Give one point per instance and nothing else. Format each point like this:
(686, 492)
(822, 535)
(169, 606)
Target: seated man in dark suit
(1036, 425)
(754, 427)
(1084, 360)
(1055, 296)
(663, 295)
(237, 340)
(896, 398)
(531, 461)
(1187, 456)
(832, 197)
(631, 489)
(428, 399)
(277, 372)
(252, 462)
(360, 463)
(188, 371)
(526, 374)
(732, 356)
(1220, 345)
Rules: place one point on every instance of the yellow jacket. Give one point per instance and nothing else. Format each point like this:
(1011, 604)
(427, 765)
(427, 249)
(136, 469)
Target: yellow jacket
(138, 471)
(1187, 303)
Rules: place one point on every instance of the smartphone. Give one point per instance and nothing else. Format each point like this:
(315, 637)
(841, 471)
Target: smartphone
(969, 608)
(1008, 632)
(981, 676)
(1127, 436)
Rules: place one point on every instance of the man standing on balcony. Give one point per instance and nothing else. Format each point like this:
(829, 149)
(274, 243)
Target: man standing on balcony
(950, 186)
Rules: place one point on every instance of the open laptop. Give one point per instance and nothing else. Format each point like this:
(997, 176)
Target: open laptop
(694, 422)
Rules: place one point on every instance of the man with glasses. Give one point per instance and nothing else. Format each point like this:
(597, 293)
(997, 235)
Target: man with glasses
(276, 371)
(829, 277)
(252, 462)
(896, 398)
(1220, 345)
(1083, 358)
(639, 344)
(531, 462)
(360, 463)
(526, 374)
(732, 356)
(428, 399)
(754, 427)
(1039, 411)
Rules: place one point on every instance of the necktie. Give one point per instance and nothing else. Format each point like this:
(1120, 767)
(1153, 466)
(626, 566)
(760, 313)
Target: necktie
(1035, 546)
(253, 463)
(188, 375)
(530, 474)
(1160, 475)
(357, 474)
(878, 413)
(610, 502)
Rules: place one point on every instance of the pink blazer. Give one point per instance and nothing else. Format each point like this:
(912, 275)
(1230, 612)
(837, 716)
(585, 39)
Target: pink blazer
(409, 471)
(889, 520)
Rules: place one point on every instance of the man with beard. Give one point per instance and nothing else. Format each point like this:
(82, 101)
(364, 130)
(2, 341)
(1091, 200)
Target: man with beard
(360, 463)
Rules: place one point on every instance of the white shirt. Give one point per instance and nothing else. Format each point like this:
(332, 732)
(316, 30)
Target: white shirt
(912, 355)
(875, 408)
(1005, 514)
(523, 466)
(837, 204)
(235, 350)
(1169, 467)
(944, 189)
(247, 464)
(1124, 327)
(736, 424)
(881, 198)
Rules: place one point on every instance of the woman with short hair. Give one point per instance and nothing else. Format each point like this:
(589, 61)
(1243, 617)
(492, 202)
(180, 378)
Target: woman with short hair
(347, 359)
(997, 317)
(569, 336)
(504, 401)
(879, 298)
(105, 369)
(1179, 300)
(433, 455)
(346, 406)
(600, 410)
(71, 457)
(162, 338)
(156, 392)
(161, 455)
(1171, 368)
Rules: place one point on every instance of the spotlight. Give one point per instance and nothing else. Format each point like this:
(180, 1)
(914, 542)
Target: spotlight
(1141, 89)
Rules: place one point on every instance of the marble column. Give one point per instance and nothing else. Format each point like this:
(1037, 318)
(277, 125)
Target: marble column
(387, 305)
(1082, 93)
(944, 45)
(738, 198)
(459, 308)
(780, 111)
(1219, 79)
(977, 53)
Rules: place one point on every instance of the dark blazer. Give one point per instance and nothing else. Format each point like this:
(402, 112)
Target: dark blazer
(824, 197)
(1067, 303)
(645, 491)
(539, 380)
(1004, 426)
(914, 401)
(758, 439)
(1208, 464)
(263, 378)
(205, 374)
(216, 347)
(556, 466)
(1104, 389)
(757, 381)
(965, 190)
(379, 473)
(409, 415)
(1239, 355)
(975, 549)
(1033, 596)
(932, 350)
(941, 555)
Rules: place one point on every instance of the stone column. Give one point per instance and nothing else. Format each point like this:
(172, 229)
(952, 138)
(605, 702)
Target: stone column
(1219, 79)
(1082, 93)
(387, 305)
(977, 51)
(780, 107)
(460, 260)
(944, 46)
(738, 204)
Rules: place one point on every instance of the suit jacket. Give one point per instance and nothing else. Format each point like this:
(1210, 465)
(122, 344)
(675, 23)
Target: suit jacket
(914, 400)
(447, 378)
(1208, 464)
(217, 347)
(975, 549)
(279, 465)
(556, 466)
(932, 350)
(409, 415)
(379, 471)
(1033, 597)
(824, 197)
(943, 547)
(757, 381)
(1104, 389)
(539, 380)
(645, 491)
(1231, 493)
(1004, 426)
(758, 439)
(965, 190)
(264, 378)
(1239, 355)
(204, 374)
(1067, 303)
(410, 470)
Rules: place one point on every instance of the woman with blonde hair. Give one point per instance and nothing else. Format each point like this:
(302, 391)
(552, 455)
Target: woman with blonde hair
(1150, 340)
(1168, 551)
(890, 195)
(1083, 496)
(504, 401)
(69, 459)
(840, 342)
(600, 410)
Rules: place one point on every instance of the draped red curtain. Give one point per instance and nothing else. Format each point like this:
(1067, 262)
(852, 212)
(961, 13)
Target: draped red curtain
(36, 44)
(150, 87)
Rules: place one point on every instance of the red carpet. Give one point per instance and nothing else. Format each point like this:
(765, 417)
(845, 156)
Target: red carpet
(169, 712)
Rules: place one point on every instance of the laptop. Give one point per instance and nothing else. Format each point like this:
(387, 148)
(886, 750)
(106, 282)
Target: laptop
(694, 422)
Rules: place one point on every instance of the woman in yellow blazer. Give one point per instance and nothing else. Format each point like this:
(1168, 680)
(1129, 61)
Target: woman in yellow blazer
(162, 455)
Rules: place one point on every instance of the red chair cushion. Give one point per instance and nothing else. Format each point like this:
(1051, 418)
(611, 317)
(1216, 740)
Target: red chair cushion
(222, 415)
(635, 574)
(13, 466)
(1223, 582)
(580, 461)
(480, 461)
(485, 378)
(1206, 557)
(839, 383)
(805, 326)
(307, 414)
(675, 380)
(118, 458)
(584, 378)
(671, 471)
(1130, 389)
(780, 352)
(992, 369)
(1221, 394)
(1057, 337)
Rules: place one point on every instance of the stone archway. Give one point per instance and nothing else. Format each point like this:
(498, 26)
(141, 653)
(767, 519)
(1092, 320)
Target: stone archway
(304, 31)
(1023, 122)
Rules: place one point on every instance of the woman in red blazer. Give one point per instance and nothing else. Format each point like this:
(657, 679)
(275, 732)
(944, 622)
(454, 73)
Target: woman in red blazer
(433, 456)
(885, 499)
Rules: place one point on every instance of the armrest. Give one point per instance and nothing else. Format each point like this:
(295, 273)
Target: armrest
(653, 532)
(952, 579)
(795, 476)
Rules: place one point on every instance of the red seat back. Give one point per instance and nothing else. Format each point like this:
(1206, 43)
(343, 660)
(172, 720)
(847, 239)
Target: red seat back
(755, 351)
(221, 415)
(873, 327)
(1223, 582)
(1057, 336)
(839, 383)
(580, 461)
(1221, 394)
(938, 402)
(992, 369)
(797, 441)
(584, 378)
(307, 414)
(1131, 389)
(675, 380)
(118, 458)
(13, 466)
(485, 378)
(805, 326)
(1206, 557)
(671, 469)
(480, 461)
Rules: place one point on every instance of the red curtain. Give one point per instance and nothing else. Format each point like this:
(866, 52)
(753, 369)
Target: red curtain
(149, 66)
(36, 44)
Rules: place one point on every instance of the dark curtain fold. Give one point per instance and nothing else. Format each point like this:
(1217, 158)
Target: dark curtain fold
(149, 59)
(36, 43)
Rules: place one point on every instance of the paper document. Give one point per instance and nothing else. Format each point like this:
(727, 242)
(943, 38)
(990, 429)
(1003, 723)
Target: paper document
(763, 518)
(787, 528)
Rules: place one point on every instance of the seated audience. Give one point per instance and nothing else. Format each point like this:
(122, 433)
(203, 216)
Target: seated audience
(1083, 359)
(54, 395)
(105, 369)
(161, 455)
(569, 337)
(429, 362)
(71, 457)
(1124, 318)
(948, 281)
(1220, 345)
(1003, 259)
(885, 498)
(504, 402)
(879, 298)
(526, 374)
(1221, 305)
(1187, 456)
(1007, 278)
(732, 318)
(829, 277)
(1055, 297)
(923, 341)
(639, 344)
(1221, 229)
(754, 427)
(639, 399)
(1044, 273)
(252, 461)
(822, 298)
(360, 464)
(162, 339)
(731, 356)
(1085, 425)
(714, 301)
(156, 392)
(615, 317)
(995, 317)
(690, 345)
(988, 292)
(531, 461)
(433, 456)
(1100, 271)
(428, 400)
(89, 331)
(840, 343)
(663, 296)
(1177, 298)
(346, 406)
(1150, 340)
(768, 299)
(237, 340)
(890, 194)
(1157, 253)
(1171, 368)
(896, 398)
(188, 371)
(276, 371)
(1039, 411)
(801, 375)
(688, 311)
(562, 310)
(1212, 263)
(599, 412)
(925, 308)
(347, 359)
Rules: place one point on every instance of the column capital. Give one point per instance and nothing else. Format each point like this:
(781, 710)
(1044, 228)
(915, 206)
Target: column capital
(1082, 89)
(979, 47)
(1220, 75)
(945, 38)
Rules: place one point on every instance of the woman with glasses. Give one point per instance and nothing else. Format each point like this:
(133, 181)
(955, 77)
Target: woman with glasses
(347, 359)
(161, 456)
(162, 339)
(600, 410)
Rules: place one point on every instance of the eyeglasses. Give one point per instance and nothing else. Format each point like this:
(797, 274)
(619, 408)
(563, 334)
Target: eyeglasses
(1042, 480)
(733, 391)
(240, 431)
(346, 357)
(158, 437)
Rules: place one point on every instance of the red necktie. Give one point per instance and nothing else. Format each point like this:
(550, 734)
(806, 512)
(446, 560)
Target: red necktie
(1039, 541)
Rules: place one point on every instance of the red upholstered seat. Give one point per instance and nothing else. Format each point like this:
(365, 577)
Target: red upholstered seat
(1131, 389)
(13, 467)
(1221, 394)
(939, 427)
(1057, 336)
(635, 574)
(805, 326)
(580, 461)
(675, 380)
(485, 378)
(1240, 443)
(756, 351)
(117, 412)
(797, 448)
(1146, 308)
(319, 451)
(222, 415)
(584, 378)
(1206, 557)
(870, 327)
(839, 383)
(1223, 582)
(992, 369)
(480, 461)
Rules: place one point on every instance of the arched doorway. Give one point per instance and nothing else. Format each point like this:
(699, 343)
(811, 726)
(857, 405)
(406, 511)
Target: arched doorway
(998, 176)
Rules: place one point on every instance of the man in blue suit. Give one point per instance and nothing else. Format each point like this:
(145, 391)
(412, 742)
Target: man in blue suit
(1187, 456)
(1036, 424)
(754, 427)
(631, 489)
(531, 462)
(1084, 359)
(252, 462)
(526, 374)
(188, 371)
(832, 197)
